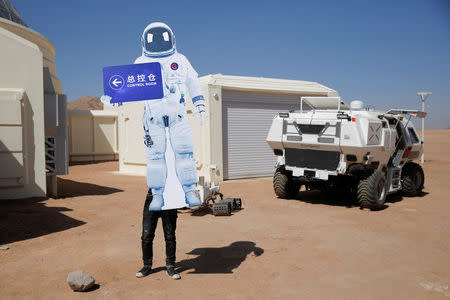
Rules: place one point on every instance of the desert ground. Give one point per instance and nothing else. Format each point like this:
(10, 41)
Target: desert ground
(312, 247)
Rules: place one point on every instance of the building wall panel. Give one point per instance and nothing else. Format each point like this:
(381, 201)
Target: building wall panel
(93, 135)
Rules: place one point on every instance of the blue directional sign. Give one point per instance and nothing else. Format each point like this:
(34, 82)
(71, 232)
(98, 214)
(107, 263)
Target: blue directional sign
(133, 82)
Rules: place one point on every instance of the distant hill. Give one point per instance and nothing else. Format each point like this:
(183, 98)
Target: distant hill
(85, 103)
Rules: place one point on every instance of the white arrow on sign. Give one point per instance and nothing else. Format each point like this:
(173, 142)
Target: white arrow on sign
(116, 82)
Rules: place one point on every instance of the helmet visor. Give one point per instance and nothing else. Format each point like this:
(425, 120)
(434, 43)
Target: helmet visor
(158, 40)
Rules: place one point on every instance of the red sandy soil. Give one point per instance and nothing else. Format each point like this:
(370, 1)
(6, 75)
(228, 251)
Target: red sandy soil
(314, 247)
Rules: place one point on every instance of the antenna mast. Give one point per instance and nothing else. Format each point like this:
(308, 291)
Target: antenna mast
(423, 96)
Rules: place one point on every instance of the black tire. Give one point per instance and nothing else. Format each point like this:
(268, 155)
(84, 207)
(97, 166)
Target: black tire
(238, 202)
(413, 179)
(221, 209)
(284, 186)
(372, 191)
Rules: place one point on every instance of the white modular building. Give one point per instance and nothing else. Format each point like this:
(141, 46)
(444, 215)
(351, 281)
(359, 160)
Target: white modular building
(32, 109)
(231, 143)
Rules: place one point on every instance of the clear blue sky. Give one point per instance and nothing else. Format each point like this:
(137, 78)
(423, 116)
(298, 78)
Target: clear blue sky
(381, 52)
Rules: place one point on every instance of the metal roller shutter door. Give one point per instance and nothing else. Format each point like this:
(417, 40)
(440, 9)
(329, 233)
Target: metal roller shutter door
(247, 117)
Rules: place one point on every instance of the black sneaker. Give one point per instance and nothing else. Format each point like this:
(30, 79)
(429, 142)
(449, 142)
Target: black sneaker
(172, 273)
(146, 270)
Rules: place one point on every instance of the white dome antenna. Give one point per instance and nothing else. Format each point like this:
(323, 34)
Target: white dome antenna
(357, 105)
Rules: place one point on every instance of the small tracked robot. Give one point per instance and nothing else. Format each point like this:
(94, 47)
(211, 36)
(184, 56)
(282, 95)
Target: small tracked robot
(212, 198)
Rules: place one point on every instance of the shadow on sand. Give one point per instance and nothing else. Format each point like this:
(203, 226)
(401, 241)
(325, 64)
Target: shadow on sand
(206, 210)
(95, 287)
(30, 218)
(345, 199)
(70, 188)
(89, 162)
(327, 198)
(219, 260)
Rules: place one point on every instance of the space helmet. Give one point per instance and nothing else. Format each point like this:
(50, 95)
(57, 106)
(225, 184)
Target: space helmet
(158, 40)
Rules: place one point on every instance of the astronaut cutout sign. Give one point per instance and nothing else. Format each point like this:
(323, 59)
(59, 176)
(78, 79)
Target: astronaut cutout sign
(171, 171)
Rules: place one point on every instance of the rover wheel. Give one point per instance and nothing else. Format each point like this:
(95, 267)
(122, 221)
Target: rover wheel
(284, 186)
(230, 201)
(229, 209)
(238, 202)
(412, 179)
(372, 191)
(221, 209)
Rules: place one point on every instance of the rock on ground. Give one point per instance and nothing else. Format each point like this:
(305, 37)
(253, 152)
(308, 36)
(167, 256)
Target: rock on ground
(80, 281)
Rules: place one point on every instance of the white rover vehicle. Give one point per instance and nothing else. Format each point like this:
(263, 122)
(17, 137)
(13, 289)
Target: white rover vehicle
(331, 146)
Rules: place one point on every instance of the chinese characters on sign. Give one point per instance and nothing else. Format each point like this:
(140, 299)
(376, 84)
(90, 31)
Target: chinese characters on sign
(141, 78)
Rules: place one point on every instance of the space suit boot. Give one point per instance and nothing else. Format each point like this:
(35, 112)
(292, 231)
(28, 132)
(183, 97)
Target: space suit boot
(157, 201)
(192, 199)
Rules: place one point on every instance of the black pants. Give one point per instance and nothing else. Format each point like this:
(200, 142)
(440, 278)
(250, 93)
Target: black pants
(149, 222)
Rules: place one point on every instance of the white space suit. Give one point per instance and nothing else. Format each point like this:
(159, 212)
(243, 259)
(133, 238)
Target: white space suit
(158, 45)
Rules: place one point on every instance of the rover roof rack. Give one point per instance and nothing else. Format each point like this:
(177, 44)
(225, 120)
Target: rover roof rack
(414, 113)
(323, 103)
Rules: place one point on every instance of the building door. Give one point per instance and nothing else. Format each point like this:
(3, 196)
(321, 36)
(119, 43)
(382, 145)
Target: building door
(246, 118)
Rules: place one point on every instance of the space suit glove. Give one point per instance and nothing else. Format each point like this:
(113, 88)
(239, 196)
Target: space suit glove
(200, 109)
(202, 117)
(105, 99)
